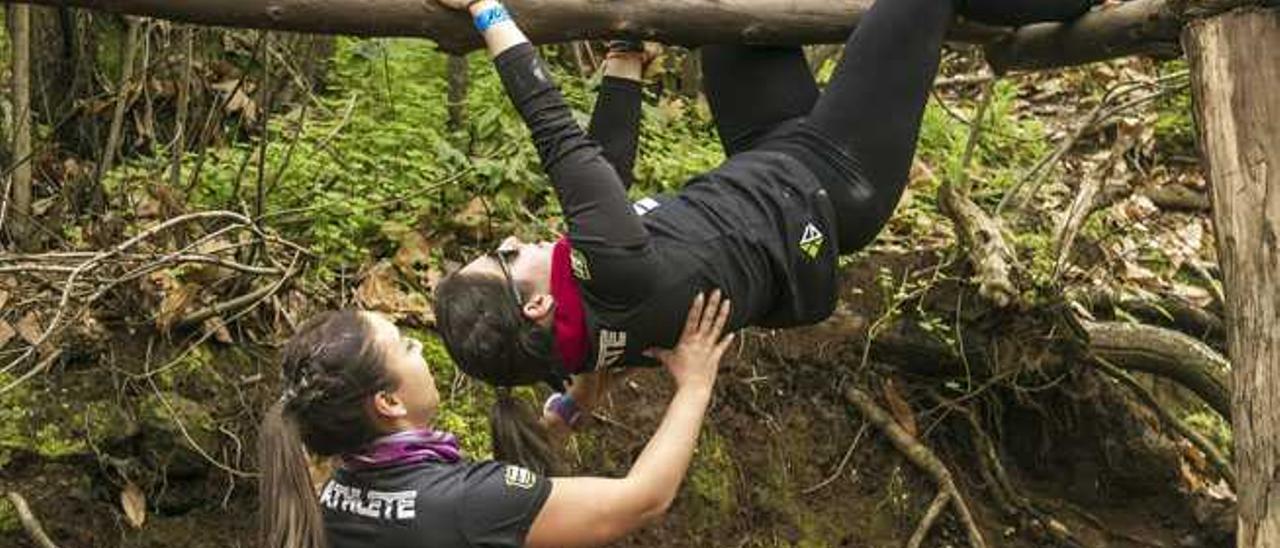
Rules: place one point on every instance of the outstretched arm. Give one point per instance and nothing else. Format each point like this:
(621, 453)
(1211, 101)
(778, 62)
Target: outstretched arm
(589, 189)
(595, 511)
(615, 122)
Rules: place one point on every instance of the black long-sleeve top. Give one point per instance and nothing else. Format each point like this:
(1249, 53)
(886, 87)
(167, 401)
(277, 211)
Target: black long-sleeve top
(759, 227)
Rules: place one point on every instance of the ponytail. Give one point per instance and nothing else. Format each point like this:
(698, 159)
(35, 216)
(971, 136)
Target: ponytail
(289, 511)
(519, 437)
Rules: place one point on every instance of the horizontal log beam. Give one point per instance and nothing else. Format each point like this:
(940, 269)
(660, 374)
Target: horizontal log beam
(1133, 27)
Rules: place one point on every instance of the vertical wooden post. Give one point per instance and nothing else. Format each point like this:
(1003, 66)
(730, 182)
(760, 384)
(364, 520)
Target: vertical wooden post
(1235, 60)
(21, 40)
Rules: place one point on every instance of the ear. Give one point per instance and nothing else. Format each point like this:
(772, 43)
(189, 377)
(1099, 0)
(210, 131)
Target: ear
(389, 406)
(539, 308)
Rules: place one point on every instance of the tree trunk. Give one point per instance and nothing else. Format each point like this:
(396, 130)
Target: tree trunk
(21, 48)
(116, 131)
(1133, 27)
(458, 83)
(1236, 76)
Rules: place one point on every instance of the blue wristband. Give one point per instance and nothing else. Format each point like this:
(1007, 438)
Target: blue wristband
(491, 16)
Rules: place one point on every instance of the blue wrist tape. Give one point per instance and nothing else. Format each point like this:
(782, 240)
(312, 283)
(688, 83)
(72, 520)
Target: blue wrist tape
(491, 16)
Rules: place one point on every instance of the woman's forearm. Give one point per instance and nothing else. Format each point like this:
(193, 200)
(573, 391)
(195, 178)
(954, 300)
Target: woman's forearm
(662, 465)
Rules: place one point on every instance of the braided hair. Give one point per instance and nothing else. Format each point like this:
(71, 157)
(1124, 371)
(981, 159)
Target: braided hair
(330, 368)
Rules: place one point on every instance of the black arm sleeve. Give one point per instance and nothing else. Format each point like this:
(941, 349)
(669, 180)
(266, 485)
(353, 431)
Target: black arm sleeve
(590, 192)
(620, 263)
(615, 124)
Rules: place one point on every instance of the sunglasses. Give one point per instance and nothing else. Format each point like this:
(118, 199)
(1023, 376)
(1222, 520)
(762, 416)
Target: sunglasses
(505, 256)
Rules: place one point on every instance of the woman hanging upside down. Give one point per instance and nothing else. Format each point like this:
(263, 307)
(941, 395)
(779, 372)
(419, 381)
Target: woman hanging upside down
(809, 176)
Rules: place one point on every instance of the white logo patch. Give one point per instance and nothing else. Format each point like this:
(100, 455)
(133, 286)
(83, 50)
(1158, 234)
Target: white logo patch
(644, 206)
(522, 478)
(613, 344)
(811, 241)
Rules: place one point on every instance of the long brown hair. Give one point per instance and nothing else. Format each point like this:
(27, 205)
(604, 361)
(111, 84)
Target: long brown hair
(329, 368)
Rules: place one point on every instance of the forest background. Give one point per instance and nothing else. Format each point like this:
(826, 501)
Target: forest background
(1037, 337)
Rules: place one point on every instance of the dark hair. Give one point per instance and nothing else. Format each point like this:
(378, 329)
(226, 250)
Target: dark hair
(487, 335)
(490, 339)
(330, 366)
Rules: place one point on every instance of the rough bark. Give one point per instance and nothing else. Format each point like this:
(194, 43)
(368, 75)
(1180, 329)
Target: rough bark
(1235, 75)
(1136, 27)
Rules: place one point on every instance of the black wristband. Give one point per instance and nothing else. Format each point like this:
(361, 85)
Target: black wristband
(626, 46)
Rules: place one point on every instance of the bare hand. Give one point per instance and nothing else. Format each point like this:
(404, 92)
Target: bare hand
(696, 358)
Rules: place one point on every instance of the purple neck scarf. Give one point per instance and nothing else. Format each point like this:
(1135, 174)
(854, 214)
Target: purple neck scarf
(405, 447)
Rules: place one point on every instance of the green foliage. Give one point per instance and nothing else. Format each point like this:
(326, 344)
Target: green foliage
(1175, 129)
(1214, 428)
(1009, 145)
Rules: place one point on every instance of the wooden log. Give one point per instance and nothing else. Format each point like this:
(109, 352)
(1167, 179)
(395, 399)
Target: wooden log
(1133, 27)
(1235, 78)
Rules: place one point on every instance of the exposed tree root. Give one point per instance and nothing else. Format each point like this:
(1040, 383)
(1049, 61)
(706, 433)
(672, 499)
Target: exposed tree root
(29, 521)
(1164, 310)
(926, 523)
(919, 455)
(1164, 353)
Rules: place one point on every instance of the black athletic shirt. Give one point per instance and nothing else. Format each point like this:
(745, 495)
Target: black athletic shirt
(759, 227)
(432, 505)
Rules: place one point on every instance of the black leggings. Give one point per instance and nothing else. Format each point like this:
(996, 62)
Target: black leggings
(859, 136)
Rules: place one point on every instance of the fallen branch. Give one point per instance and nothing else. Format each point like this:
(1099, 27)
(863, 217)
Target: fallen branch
(1084, 204)
(930, 516)
(217, 309)
(1164, 353)
(919, 455)
(980, 234)
(29, 521)
(990, 255)
(97, 259)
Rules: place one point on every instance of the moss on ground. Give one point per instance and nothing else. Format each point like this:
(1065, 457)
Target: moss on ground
(55, 427)
(711, 483)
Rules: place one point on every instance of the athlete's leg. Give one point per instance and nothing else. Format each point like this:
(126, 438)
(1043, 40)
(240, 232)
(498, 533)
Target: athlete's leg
(752, 89)
(873, 107)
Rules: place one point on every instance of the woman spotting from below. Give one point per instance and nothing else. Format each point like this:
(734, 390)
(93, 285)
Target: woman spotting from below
(357, 388)
(809, 176)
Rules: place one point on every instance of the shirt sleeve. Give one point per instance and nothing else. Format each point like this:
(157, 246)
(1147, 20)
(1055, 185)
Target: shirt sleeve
(590, 192)
(500, 503)
(603, 226)
(615, 124)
